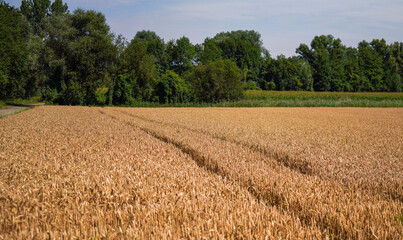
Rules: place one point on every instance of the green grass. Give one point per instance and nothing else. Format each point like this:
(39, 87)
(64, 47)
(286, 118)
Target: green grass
(258, 98)
(3, 104)
(18, 102)
(22, 110)
(303, 95)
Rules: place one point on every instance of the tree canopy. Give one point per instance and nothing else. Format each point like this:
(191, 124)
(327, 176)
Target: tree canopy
(74, 58)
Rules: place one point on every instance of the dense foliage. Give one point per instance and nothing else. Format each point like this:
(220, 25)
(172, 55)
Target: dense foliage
(13, 52)
(73, 58)
(216, 81)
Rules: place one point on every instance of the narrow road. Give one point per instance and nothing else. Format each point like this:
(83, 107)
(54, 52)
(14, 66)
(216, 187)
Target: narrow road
(14, 109)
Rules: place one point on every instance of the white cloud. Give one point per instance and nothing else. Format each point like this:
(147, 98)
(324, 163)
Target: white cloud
(283, 24)
(390, 11)
(217, 10)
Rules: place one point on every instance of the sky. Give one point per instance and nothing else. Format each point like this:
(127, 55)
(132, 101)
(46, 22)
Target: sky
(283, 24)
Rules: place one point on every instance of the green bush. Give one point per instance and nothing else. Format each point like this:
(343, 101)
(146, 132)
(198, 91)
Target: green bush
(48, 94)
(122, 91)
(73, 94)
(3, 85)
(252, 85)
(101, 95)
(172, 89)
(217, 81)
(270, 86)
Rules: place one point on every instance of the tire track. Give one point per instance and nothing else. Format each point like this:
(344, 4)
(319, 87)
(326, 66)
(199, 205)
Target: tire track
(298, 165)
(295, 164)
(330, 213)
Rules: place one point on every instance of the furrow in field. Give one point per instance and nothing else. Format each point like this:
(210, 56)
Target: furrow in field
(358, 148)
(339, 212)
(299, 165)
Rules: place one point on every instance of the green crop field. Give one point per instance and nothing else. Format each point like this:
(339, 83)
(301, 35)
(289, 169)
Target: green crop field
(260, 98)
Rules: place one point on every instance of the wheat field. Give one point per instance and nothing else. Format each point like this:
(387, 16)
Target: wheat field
(201, 173)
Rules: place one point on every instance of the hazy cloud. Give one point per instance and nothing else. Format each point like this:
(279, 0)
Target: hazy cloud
(283, 24)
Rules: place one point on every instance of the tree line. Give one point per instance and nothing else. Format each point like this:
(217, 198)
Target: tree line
(73, 58)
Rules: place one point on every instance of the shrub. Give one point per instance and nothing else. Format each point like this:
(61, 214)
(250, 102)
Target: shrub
(270, 86)
(252, 85)
(216, 81)
(122, 91)
(101, 95)
(73, 94)
(48, 94)
(172, 89)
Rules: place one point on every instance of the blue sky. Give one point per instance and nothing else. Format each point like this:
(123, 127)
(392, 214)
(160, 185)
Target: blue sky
(283, 24)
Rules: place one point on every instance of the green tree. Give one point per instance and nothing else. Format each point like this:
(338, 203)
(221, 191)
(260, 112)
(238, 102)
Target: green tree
(216, 81)
(209, 51)
(58, 7)
(35, 11)
(120, 43)
(397, 52)
(370, 62)
(13, 52)
(141, 69)
(172, 89)
(243, 47)
(90, 59)
(155, 45)
(121, 91)
(338, 82)
(59, 41)
(304, 74)
(287, 74)
(35, 74)
(326, 58)
(352, 71)
(319, 59)
(180, 55)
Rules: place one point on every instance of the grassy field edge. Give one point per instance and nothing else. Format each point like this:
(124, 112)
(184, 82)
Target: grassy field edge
(19, 102)
(259, 98)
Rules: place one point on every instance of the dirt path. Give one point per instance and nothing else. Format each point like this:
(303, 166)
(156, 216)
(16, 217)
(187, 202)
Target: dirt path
(14, 109)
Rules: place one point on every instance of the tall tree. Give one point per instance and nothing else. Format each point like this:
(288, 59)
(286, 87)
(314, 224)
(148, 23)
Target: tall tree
(287, 74)
(209, 51)
(155, 46)
(352, 71)
(172, 89)
(392, 77)
(370, 62)
(35, 11)
(243, 47)
(58, 7)
(304, 74)
(13, 52)
(321, 64)
(59, 38)
(337, 60)
(216, 81)
(326, 58)
(92, 54)
(180, 55)
(139, 67)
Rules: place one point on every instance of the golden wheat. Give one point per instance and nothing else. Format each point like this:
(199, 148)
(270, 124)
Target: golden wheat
(79, 172)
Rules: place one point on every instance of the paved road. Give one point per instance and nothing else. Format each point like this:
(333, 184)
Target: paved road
(14, 109)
